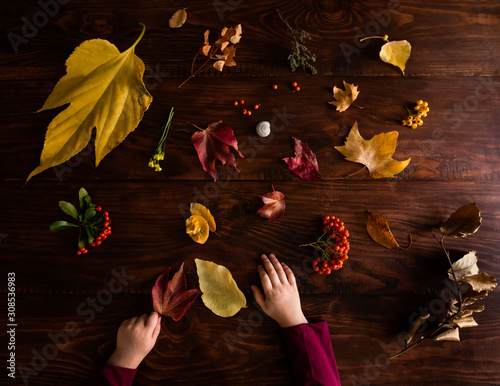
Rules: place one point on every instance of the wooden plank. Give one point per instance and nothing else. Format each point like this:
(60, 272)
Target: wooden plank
(458, 141)
(204, 348)
(149, 233)
(440, 34)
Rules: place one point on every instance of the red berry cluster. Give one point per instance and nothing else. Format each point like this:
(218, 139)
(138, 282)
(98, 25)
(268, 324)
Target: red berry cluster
(333, 246)
(103, 235)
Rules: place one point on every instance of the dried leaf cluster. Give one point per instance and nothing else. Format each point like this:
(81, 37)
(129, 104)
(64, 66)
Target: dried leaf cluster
(470, 284)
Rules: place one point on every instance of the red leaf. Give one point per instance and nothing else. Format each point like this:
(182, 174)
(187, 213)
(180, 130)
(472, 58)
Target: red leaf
(304, 165)
(274, 206)
(213, 143)
(170, 297)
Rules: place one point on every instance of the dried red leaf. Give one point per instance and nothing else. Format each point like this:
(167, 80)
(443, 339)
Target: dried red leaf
(170, 297)
(304, 165)
(274, 206)
(213, 143)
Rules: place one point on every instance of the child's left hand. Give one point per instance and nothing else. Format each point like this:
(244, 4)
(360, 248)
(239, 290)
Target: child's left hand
(136, 338)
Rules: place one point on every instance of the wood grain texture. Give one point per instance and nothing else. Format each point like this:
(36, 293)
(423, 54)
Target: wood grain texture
(455, 160)
(205, 349)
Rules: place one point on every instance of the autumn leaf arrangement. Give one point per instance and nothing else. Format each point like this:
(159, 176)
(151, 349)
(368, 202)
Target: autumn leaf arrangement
(93, 222)
(470, 284)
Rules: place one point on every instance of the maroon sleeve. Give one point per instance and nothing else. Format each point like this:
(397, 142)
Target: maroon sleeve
(310, 350)
(109, 375)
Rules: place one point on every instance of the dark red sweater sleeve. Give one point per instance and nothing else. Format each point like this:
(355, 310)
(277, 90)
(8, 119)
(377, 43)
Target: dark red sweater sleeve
(109, 375)
(310, 350)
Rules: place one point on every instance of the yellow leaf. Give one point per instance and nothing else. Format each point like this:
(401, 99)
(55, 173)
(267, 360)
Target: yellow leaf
(105, 90)
(379, 231)
(375, 154)
(396, 53)
(344, 98)
(178, 18)
(221, 294)
(197, 228)
(205, 213)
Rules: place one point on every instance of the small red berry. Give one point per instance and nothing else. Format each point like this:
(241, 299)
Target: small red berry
(256, 107)
(242, 102)
(275, 86)
(249, 112)
(106, 214)
(109, 232)
(236, 103)
(244, 111)
(98, 209)
(98, 242)
(106, 224)
(104, 237)
(297, 88)
(92, 244)
(78, 252)
(294, 84)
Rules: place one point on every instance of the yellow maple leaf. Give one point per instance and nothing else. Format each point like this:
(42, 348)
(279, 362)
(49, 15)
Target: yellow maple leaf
(375, 154)
(221, 294)
(105, 90)
(344, 98)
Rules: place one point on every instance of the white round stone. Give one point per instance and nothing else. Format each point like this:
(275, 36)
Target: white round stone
(263, 129)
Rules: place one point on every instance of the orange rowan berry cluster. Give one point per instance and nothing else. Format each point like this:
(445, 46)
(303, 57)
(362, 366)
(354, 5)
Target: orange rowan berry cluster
(414, 120)
(245, 111)
(333, 246)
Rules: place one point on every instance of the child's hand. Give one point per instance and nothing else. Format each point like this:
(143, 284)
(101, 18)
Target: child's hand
(281, 301)
(136, 338)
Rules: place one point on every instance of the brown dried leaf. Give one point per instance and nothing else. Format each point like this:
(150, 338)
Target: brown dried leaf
(415, 326)
(465, 266)
(472, 299)
(344, 98)
(451, 334)
(178, 18)
(465, 221)
(465, 322)
(480, 282)
(470, 310)
(379, 231)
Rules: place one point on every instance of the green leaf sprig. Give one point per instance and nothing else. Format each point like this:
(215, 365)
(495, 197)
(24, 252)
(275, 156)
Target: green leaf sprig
(93, 223)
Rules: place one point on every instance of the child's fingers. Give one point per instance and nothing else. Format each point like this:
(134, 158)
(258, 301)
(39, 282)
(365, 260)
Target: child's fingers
(257, 294)
(157, 329)
(152, 320)
(264, 279)
(289, 273)
(279, 269)
(271, 271)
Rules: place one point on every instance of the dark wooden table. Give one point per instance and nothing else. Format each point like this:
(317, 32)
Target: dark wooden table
(64, 298)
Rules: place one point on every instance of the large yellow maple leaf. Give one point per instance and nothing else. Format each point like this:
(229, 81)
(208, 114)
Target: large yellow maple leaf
(105, 90)
(375, 154)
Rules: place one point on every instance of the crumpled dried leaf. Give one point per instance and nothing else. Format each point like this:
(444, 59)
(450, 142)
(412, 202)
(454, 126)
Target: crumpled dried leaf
(206, 47)
(415, 326)
(305, 164)
(471, 309)
(480, 282)
(379, 231)
(213, 143)
(396, 53)
(200, 223)
(178, 18)
(274, 205)
(344, 98)
(104, 89)
(171, 297)
(451, 334)
(465, 322)
(204, 212)
(465, 221)
(469, 300)
(375, 154)
(465, 266)
(220, 293)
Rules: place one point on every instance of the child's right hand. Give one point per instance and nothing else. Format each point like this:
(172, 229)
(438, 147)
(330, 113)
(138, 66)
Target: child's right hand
(281, 301)
(136, 338)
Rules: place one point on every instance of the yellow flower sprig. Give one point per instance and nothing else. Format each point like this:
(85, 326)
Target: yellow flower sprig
(159, 155)
(415, 119)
